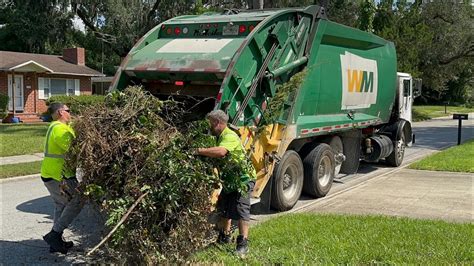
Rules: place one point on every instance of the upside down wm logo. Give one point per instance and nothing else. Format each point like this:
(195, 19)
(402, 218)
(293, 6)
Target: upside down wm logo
(359, 81)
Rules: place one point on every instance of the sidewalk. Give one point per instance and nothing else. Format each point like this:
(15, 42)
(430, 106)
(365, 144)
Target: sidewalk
(21, 158)
(408, 193)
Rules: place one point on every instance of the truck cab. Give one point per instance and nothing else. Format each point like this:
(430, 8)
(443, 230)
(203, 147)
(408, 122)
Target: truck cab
(405, 95)
(408, 89)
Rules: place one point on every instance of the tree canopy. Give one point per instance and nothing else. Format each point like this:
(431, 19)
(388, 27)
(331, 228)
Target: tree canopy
(434, 39)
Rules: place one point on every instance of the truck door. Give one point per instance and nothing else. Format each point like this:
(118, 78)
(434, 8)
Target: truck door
(405, 97)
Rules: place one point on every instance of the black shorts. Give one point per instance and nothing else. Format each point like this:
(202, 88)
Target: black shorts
(233, 206)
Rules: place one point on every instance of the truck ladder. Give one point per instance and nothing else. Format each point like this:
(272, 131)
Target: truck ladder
(254, 85)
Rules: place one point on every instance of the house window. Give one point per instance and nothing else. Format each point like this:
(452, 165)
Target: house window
(54, 87)
(46, 86)
(58, 87)
(70, 87)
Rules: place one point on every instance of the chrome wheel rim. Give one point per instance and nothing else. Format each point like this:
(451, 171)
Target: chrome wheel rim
(324, 171)
(289, 181)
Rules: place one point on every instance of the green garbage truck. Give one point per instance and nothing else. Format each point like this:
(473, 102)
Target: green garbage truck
(352, 105)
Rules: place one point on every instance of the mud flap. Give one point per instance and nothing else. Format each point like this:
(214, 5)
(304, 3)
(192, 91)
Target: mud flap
(351, 142)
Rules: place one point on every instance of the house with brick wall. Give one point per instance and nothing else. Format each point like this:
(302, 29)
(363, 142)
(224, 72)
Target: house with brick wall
(30, 79)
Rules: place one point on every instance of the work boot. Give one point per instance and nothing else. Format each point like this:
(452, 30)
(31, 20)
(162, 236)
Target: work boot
(54, 240)
(67, 244)
(242, 246)
(224, 238)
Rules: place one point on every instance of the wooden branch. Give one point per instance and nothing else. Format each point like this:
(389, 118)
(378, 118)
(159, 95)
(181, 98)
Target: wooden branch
(77, 8)
(443, 19)
(153, 9)
(124, 218)
(465, 54)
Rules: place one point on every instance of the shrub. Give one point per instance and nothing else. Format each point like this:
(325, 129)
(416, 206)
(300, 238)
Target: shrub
(77, 103)
(3, 105)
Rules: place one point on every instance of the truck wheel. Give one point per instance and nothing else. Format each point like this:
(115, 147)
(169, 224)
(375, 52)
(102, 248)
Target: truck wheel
(336, 145)
(396, 157)
(288, 181)
(319, 171)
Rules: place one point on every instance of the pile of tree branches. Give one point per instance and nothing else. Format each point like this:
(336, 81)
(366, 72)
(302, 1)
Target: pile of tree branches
(285, 93)
(136, 150)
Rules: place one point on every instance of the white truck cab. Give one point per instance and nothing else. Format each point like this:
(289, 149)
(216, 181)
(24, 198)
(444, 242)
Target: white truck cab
(408, 89)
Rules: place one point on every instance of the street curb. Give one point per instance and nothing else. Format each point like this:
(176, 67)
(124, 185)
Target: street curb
(18, 178)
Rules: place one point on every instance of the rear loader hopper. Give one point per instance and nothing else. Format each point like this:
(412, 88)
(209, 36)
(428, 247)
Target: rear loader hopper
(345, 110)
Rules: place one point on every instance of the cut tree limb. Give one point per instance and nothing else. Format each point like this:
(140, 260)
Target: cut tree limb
(124, 218)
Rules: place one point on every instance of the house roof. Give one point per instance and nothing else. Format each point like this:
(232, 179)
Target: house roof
(54, 64)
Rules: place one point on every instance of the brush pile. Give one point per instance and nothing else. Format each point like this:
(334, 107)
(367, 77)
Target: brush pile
(133, 144)
(286, 93)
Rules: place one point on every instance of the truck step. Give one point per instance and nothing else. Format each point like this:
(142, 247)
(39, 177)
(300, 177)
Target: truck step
(254, 201)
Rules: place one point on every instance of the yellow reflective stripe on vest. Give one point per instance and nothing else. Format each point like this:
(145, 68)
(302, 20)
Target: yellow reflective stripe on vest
(46, 147)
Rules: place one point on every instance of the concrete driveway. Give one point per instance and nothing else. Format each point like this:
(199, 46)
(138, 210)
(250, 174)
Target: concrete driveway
(407, 193)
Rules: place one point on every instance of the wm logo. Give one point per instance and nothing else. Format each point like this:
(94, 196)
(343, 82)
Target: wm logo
(360, 81)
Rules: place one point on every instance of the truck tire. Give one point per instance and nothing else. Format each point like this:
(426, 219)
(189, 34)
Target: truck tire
(287, 181)
(319, 167)
(396, 157)
(351, 144)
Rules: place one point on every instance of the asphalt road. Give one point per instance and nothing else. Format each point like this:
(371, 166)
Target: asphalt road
(26, 209)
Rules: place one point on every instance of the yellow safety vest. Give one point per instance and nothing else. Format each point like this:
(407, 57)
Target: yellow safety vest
(58, 140)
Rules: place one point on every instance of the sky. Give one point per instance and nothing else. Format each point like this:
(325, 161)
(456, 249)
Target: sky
(78, 24)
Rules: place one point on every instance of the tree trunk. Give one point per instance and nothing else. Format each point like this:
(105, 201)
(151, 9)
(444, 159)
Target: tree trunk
(255, 4)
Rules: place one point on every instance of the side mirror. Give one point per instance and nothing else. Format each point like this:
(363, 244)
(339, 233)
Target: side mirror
(416, 87)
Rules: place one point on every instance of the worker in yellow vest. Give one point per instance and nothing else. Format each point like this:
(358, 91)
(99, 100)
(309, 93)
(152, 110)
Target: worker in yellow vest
(60, 181)
(238, 180)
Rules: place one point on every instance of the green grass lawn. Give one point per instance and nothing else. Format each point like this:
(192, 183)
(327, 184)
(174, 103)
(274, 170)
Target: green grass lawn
(425, 112)
(20, 139)
(20, 169)
(337, 239)
(455, 159)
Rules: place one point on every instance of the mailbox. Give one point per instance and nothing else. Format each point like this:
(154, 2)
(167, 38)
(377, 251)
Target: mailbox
(460, 116)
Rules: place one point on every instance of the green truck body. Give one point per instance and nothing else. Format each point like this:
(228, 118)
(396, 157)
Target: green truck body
(351, 99)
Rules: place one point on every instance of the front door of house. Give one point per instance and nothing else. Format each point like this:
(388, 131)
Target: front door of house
(16, 92)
